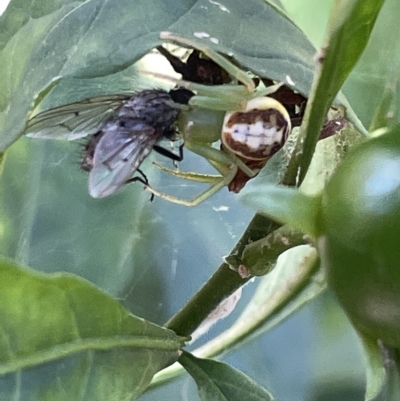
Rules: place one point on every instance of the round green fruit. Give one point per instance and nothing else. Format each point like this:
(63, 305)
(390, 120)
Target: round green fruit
(360, 244)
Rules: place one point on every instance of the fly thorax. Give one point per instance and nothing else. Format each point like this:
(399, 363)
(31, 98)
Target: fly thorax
(154, 107)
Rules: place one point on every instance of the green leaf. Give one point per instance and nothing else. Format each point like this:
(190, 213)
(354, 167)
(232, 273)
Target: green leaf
(217, 381)
(285, 205)
(371, 84)
(375, 371)
(382, 117)
(82, 41)
(351, 24)
(383, 370)
(84, 343)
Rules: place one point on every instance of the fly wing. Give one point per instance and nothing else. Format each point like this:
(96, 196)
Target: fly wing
(119, 154)
(74, 120)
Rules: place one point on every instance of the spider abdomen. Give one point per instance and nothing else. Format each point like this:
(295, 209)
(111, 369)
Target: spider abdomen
(257, 132)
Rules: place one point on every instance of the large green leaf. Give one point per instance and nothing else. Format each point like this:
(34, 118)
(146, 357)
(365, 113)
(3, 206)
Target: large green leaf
(217, 381)
(45, 40)
(64, 339)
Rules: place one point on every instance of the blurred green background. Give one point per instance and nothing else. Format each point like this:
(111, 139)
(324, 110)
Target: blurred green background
(154, 256)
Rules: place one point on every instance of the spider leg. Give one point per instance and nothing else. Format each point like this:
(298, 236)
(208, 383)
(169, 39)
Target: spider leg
(168, 153)
(222, 61)
(143, 179)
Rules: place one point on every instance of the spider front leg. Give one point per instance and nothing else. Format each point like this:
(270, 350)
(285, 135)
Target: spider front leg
(246, 90)
(218, 159)
(222, 61)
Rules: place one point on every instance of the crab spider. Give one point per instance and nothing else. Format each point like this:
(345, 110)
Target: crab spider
(250, 125)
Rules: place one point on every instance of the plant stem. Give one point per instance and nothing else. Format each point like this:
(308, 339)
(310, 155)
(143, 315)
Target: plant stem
(221, 284)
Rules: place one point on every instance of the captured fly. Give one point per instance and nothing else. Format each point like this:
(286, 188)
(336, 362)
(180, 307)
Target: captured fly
(123, 131)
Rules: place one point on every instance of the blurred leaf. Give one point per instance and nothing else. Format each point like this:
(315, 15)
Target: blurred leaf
(278, 3)
(300, 10)
(386, 114)
(62, 328)
(351, 23)
(2, 162)
(48, 39)
(370, 79)
(330, 151)
(296, 280)
(392, 366)
(375, 372)
(383, 371)
(217, 381)
(284, 205)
